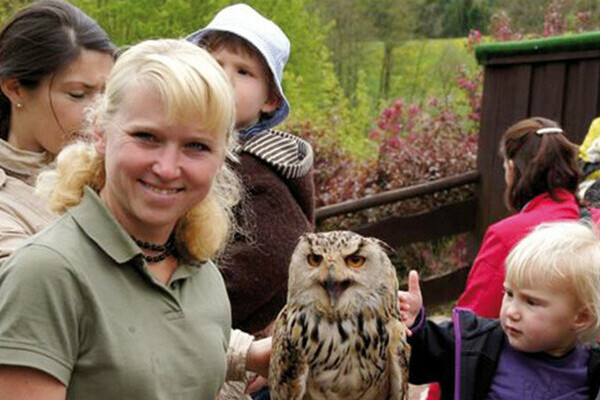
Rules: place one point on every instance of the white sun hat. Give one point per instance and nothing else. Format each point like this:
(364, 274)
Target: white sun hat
(264, 34)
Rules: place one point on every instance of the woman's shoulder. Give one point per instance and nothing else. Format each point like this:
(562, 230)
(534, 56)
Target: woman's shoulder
(14, 191)
(511, 225)
(21, 210)
(207, 271)
(541, 209)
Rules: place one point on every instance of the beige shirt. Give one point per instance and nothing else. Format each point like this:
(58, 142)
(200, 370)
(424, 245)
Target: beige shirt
(22, 212)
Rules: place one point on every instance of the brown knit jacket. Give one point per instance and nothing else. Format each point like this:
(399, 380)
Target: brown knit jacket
(277, 174)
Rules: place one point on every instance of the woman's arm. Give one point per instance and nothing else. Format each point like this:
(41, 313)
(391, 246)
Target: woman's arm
(29, 384)
(42, 315)
(259, 355)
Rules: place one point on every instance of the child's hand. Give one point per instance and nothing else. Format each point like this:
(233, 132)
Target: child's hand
(410, 301)
(255, 384)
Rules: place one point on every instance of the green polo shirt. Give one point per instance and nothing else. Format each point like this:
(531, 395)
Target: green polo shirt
(78, 302)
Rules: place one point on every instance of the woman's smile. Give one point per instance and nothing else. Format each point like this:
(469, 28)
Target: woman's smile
(161, 190)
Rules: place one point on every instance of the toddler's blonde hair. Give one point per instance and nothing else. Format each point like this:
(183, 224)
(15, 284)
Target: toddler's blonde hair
(563, 255)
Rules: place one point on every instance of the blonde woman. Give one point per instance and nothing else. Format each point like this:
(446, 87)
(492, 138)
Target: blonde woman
(118, 299)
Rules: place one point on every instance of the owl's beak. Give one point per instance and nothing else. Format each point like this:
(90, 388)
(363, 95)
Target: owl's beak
(335, 288)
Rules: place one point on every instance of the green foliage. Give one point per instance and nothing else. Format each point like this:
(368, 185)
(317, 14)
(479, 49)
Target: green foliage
(7, 8)
(454, 18)
(346, 34)
(528, 16)
(309, 80)
(354, 25)
(425, 68)
(128, 22)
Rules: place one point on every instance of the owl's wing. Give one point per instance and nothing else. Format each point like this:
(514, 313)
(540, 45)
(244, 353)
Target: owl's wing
(288, 369)
(399, 355)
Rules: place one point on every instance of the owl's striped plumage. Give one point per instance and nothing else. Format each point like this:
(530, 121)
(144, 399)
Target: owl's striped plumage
(340, 335)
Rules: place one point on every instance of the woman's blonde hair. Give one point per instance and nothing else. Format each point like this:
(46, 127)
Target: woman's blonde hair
(193, 88)
(564, 255)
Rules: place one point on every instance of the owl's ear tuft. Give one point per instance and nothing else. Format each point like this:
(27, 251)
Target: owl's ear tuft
(389, 250)
(306, 237)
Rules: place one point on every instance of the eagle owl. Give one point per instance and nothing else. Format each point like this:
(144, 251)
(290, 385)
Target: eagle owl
(340, 335)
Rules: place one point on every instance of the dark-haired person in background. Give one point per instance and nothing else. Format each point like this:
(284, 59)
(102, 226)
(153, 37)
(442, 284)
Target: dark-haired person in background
(54, 59)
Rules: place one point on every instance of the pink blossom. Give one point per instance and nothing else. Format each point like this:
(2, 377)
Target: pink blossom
(414, 109)
(374, 135)
(474, 116)
(433, 102)
(394, 142)
(399, 104)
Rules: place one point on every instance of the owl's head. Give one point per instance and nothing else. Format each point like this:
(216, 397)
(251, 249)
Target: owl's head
(339, 271)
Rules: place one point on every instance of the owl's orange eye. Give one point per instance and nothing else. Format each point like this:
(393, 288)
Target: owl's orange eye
(354, 260)
(314, 259)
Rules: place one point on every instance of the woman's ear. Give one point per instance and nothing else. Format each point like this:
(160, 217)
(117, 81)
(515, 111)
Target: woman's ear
(13, 90)
(98, 137)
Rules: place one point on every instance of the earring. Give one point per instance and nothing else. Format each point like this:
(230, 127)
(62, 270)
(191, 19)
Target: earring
(19, 105)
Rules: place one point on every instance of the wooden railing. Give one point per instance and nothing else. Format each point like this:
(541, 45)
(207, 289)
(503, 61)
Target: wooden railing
(450, 219)
(393, 196)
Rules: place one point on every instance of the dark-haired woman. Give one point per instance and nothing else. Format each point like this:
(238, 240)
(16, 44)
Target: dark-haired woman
(542, 174)
(54, 59)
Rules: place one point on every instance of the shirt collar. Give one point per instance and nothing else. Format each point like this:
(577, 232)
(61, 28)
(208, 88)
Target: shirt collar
(100, 225)
(560, 194)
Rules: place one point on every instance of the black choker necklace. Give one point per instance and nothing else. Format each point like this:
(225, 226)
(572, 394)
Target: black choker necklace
(164, 250)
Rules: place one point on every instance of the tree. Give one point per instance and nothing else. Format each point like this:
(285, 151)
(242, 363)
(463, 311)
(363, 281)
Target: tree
(347, 31)
(453, 18)
(461, 16)
(393, 22)
(128, 22)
